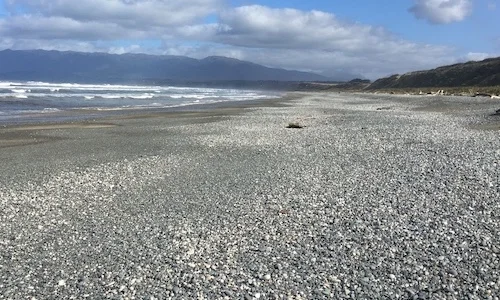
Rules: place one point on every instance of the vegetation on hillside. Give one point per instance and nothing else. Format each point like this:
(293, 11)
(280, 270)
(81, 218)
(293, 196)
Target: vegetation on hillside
(474, 74)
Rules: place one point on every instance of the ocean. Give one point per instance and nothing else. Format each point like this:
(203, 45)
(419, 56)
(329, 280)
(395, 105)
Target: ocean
(23, 102)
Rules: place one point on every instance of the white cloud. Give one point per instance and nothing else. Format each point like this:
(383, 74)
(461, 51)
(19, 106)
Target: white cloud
(47, 28)
(125, 49)
(477, 56)
(262, 27)
(101, 20)
(314, 40)
(442, 11)
(21, 44)
(286, 38)
(125, 13)
(335, 64)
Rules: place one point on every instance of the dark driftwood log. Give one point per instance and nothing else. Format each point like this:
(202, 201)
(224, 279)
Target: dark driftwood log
(294, 125)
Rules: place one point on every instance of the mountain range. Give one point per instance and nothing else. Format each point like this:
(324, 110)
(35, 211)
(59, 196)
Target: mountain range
(69, 66)
(41, 65)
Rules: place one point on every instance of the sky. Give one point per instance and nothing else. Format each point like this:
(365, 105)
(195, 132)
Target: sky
(335, 38)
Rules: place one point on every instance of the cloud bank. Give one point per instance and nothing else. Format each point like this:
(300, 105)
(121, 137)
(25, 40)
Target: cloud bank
(442, 11)
(315, 39)
(287, 38)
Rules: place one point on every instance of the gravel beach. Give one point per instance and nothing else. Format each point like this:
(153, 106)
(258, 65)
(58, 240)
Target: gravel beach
(377, 197)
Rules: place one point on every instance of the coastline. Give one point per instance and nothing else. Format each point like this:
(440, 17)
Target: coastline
(377, 196)
(41, 102)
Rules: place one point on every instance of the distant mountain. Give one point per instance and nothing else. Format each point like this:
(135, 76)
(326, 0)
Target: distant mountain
(41, 65)
(469, 74)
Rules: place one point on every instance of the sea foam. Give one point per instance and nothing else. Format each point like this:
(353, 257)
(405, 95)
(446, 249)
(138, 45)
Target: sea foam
(18, 98)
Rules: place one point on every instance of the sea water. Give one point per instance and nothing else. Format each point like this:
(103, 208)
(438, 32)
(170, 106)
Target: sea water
(30, 101)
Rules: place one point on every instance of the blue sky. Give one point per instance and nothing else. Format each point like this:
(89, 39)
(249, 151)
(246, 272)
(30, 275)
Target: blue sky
(341, 39)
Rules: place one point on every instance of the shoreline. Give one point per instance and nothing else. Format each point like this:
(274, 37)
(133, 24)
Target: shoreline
(29, 132)
(375, 197)
(85, 115)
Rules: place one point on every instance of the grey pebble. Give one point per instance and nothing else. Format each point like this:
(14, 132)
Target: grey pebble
(232, 205)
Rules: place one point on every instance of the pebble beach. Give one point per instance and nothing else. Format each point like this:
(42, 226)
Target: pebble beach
(376, 197)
